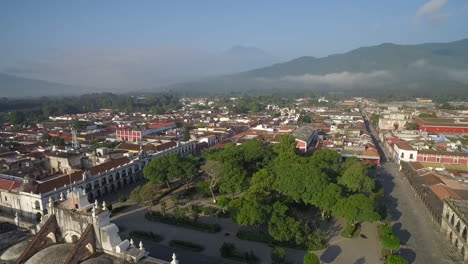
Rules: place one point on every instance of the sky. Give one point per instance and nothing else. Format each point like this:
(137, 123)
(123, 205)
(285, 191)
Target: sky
(95, 41)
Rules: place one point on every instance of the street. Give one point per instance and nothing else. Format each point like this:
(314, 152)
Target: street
(421, 241)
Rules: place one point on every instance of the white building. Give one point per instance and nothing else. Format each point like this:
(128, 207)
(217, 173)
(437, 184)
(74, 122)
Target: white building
(404, 152)
(29, 198)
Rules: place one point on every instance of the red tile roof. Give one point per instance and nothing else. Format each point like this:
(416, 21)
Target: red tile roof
(403, 145)
(9, 185)
(443, 153)
(60, 181)
(443, 192)
(109, 165)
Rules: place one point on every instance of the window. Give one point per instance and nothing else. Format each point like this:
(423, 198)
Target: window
(455, 161)
(6, 199)
(425, 158)
(438, 159)
(402, 155)
(411, 156)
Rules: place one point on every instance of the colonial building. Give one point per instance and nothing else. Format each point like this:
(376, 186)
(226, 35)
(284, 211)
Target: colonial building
(455, 225)
(136, 135)
(443, 125)
(404, 152)
(29, 197)
(394, 121)
(446, 157)
(85, 228)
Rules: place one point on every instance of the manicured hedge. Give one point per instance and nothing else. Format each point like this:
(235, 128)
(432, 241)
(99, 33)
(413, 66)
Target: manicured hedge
(183, 222)
(146, 235)
(229, 251)
(186, 245)
(267, 239)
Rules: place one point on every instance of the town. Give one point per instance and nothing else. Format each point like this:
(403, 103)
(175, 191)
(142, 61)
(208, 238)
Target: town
(238, 180)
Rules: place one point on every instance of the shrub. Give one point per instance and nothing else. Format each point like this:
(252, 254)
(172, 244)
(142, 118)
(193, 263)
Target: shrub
(119, 209)
(146, 235)
(186, 245)
(278, 255)
(229, 251)
(144, 193)
(390, 242)
(350, 230)
(393, 259)
(267, 239)
(203, 188)
(122, 199)
(387, 239)
(311, 258)
(183, 222)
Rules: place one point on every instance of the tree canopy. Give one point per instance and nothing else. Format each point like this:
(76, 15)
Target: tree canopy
(171, 167)
(357, 208)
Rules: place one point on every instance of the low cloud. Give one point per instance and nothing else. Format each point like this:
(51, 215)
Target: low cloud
(119, 69)
(459, 75)
(343, 79)
(432, 11)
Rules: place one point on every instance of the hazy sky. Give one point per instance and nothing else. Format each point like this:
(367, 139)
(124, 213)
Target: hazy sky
(54, 33)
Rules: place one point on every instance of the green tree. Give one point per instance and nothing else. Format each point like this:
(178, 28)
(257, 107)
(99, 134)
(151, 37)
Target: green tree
(391, 242)
(252, 208)
(280, 226)
(186, 133)
(304, 118)
(163, 169)
(278, 255)
(214, 170)
(328, 161)
(223, 201)
(190, 166)
(287, 145)
(146, 192)
(356, 208)
(394, 259)
(56, 141)
(234, 180)
(16, 117)
(264, 179)
(375, 119)
(388, 239)
(328, 199)
(356, 178)
(311, 258)
(411, 126)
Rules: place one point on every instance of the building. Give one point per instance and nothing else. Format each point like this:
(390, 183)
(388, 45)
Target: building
(443, 125)
(29, 197)
(404, 152)
(73, 230)
(304, 136)
(394, 121)
(138, 134)
(455, 225)
(446, 157)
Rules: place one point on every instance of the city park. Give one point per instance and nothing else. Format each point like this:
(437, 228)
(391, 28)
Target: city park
(299, 207)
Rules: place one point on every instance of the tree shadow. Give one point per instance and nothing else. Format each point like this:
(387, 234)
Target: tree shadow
(387, 182)
(403, 234)
(332, 228)
(330, 254)
(408, 254)
(360, 261)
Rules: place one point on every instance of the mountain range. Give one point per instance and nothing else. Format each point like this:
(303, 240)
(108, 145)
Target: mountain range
(386, 69)
(15, 86)
(418, 70)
